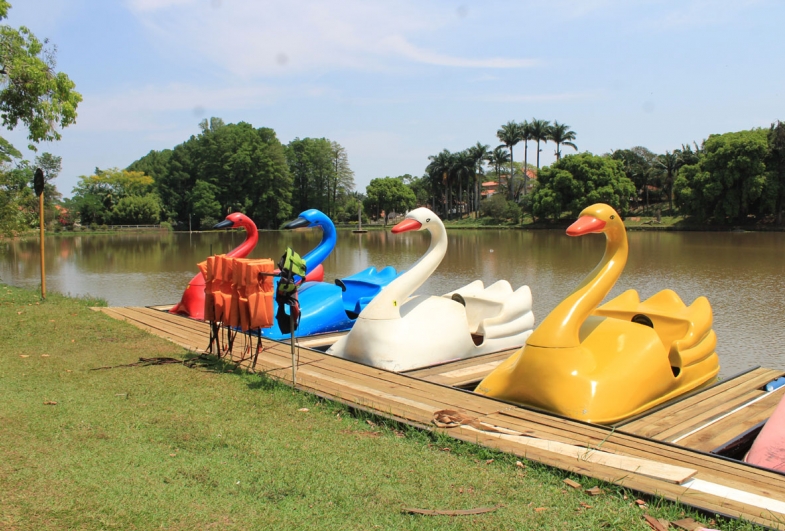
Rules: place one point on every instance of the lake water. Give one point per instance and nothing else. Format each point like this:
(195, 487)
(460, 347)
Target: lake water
(742, 274)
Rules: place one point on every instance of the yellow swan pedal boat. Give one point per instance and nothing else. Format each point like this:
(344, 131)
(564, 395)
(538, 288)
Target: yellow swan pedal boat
(603, 364)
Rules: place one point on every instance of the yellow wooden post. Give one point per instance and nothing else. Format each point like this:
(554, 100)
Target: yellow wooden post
(38, 185)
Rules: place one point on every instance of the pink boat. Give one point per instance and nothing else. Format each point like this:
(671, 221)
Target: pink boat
(768, 450)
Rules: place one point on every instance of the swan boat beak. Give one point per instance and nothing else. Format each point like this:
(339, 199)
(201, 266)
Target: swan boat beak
(225, 224)
(297, 223)
(407, 225)
(585, 225)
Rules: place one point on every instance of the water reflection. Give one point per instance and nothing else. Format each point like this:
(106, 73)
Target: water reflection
(740, 273)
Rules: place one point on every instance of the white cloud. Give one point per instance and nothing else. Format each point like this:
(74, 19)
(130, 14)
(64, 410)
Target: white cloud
(525, 98)
(150, 108)
(156, 5)
(267, 38)
(699, 13)
(397, 43)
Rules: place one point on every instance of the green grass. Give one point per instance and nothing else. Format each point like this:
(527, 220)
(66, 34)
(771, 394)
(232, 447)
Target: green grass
(210, 447)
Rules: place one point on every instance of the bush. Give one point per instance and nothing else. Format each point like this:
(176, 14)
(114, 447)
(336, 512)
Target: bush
(499, 209)
(207, 222)
(513, 211)
(166, 225)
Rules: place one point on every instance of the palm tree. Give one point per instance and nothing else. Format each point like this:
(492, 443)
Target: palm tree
(497, 158)
(526, 135)
(539, 131)
(478, 154)
(509, 135)
(561, 134)
(463, 167)
(439, 172)
(670, 163)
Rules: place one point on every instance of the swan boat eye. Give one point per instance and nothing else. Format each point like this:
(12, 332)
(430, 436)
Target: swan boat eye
(427, 220)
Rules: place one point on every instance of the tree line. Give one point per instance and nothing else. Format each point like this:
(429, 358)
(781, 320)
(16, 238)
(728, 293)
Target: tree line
(223, 169)
(731, 178)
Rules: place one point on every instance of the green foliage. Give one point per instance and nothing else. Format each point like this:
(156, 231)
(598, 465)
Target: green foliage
(32, 92)
(205, 205)
(207, 222)
(577, 181)
(728, 181)
(96, 197)
(137, 210)
(639, 165)
(242, 169)
(561, 135)
(311, 165)
(18, 203)
(387, 195)
(775, 165)
(499, 208)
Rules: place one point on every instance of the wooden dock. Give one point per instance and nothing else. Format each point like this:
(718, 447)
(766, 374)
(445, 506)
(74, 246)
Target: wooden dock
(665, 453)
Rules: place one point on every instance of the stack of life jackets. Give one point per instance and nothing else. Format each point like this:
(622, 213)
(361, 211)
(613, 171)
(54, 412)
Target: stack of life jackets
(238, 291)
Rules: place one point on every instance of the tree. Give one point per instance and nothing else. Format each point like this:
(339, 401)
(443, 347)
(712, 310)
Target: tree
(639, 166)
(342, 177)
(389, 194)
(32, 92)
(498, 157)
(526, 135)
(137, 210)
(245, 166)
(510, 134)
(728, 181)
(560, 134)
(439, 172)
(539, 131)
(204, 205)
(312, 167)
(478, 154)
(51, 165)
(669, 163)
(775, 164)
(577, 181)
(95, 197)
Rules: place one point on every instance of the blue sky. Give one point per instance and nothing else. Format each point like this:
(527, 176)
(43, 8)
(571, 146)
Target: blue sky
(395, 82)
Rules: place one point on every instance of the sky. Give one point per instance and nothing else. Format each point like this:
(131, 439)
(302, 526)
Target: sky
(396, 81)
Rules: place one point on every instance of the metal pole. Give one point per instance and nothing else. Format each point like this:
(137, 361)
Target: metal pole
(294, 363)
(41, 216)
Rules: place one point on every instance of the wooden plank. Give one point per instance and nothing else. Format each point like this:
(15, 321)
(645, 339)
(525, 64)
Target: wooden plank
(684, 414)
(320, 340)
(646, 467)
(161, 307)
(464, 371)
(735, 424)
(737, 385)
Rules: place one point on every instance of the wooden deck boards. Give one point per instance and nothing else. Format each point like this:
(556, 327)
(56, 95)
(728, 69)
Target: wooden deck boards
(714, 416)
(414, 400)
(462, 372)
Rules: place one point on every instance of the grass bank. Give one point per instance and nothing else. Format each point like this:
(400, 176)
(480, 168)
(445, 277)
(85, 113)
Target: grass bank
(209, 447)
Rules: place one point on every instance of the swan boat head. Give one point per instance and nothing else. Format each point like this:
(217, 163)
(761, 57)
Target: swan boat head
(316, 218)
(387, 304)
(236, 220)
(419, 219)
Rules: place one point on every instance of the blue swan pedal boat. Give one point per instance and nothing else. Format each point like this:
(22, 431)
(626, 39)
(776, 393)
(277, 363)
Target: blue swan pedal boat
(326, 307)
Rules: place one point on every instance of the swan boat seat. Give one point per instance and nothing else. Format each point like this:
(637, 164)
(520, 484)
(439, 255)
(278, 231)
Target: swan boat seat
(495, 311)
